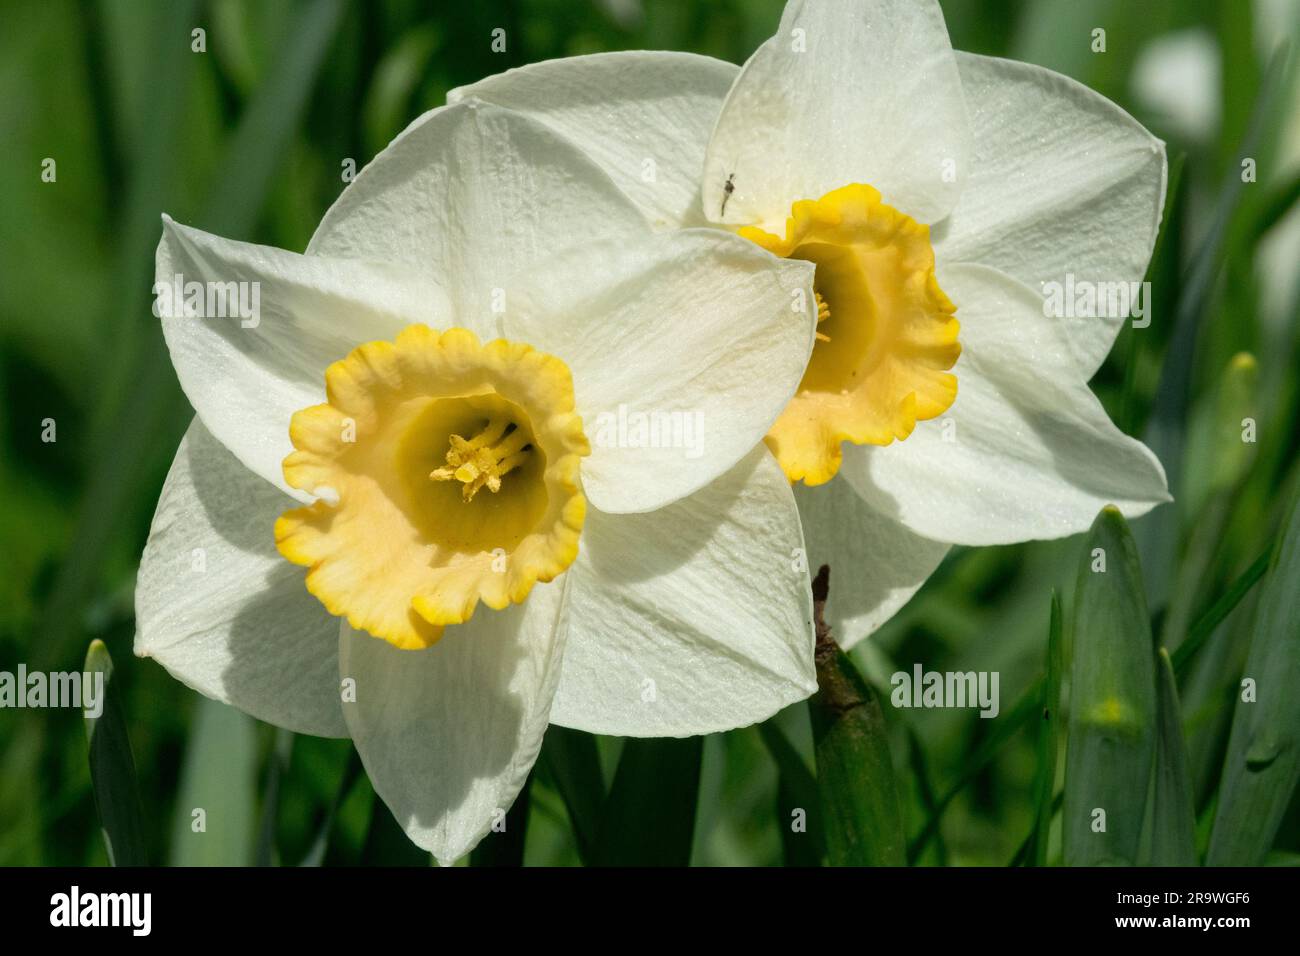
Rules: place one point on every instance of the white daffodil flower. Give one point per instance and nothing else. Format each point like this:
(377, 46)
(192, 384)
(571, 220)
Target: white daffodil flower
(415, 415)
(945, 199)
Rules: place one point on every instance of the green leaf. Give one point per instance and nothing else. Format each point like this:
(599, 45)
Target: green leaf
(1276, 205)
(1021, 856)
(1049, 735)
(1263, 759)
(1219, 611)
(216, 806)
(862, 819)
(571, 758)
(1015, 720)
(924, 790)
(112, 769)
(1111, 727)
(320, 845)
(266, 853)
(649, 816)
(1234, 27)
(1173, 816)
(796, 790)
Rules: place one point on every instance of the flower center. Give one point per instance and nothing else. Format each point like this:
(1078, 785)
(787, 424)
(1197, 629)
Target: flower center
(886, 335)
(499, 448)
(402, 542)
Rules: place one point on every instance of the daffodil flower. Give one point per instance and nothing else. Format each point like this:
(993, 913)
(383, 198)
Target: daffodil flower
(412, 418)
(938, 194)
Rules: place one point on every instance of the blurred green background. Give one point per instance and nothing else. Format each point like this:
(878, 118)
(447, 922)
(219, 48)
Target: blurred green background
(248, 139)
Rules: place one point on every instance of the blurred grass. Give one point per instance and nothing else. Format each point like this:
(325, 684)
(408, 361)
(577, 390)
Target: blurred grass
(249, 139)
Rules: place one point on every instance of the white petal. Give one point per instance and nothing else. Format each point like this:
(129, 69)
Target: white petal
(218, 607)
(694, 334)
(644, 117)
(448, 734)
(876, 563)
(467, 196)
(694, 619)
(1032, 453)
(846, 92)
(247, 376)
(1061, 181)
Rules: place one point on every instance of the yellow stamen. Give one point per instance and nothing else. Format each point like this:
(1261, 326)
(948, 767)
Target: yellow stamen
(477, 463)
(823, 313)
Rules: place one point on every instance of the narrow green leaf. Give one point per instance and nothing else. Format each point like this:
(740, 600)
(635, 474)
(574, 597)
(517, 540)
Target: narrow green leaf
(505, 847)
(1111, 726)
(316, 853)
(1219, 611)
(1015, 720)
(571, 758)
(921, 773)
(1049, 734)
(215, 809)
(649, 816)
(1263, 759)
(112, 768)
(1173, 816)
(1234, 28)
(266, 853)
(1021, 856)
(797, 801)
(863, 822)
(1277, 204)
